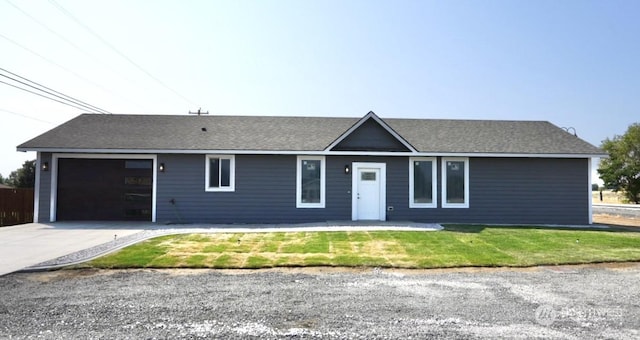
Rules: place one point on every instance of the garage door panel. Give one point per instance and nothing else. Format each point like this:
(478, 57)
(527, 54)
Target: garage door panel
(104, 189)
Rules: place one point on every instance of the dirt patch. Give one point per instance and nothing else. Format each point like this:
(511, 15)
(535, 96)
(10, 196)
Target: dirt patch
(57, 275)
(67, 274)
(616, 220)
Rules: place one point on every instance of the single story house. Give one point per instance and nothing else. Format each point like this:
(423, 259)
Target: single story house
(251, 169)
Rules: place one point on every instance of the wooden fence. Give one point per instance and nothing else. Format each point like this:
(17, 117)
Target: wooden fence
(16, 206)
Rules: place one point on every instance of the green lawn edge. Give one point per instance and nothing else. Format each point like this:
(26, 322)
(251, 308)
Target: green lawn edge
(454, 247)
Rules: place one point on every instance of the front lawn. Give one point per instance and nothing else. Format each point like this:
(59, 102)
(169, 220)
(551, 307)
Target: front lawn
(456, 246)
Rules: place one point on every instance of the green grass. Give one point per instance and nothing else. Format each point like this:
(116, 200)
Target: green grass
(456, 246)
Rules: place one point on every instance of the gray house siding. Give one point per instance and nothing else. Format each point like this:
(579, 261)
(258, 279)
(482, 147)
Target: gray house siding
(514, 190)
(370, 136)
(502, 190)
(44, 194)
(265, 192)
(530, 190)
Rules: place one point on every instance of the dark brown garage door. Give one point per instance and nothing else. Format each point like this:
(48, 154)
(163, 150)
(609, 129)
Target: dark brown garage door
(104, 189)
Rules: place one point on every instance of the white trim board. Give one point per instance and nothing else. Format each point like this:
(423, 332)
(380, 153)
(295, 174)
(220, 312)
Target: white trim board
(590, 164)
(323, 186)
(434, 182)
(232, 174)
(36, 189)
(443, 185)
(317, 153)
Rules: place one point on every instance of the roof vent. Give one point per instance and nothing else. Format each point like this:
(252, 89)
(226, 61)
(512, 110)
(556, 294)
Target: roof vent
(204, 129)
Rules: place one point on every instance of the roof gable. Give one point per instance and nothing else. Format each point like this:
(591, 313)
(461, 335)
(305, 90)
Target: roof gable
(370, 133)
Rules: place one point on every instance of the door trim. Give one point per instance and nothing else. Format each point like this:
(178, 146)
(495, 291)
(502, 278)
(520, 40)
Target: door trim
(356, 166)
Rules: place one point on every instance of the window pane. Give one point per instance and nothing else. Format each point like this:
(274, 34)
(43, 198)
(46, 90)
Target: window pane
(138, 164)
(422, 176)
(310, 181)
(455, 182)
(368, 176)
(214, 173)
(225, 169)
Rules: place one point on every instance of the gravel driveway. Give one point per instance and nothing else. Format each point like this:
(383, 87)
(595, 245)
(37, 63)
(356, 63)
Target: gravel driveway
(625, 210)
(600, 301)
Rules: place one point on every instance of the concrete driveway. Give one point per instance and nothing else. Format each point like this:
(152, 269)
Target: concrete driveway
(25, 245)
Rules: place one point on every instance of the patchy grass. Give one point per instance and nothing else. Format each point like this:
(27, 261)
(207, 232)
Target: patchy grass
(456, 246)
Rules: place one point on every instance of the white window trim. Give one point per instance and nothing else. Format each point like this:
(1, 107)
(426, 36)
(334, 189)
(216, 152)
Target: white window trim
(232, 173)
(466, 182)
(299, 203)
(434, 183)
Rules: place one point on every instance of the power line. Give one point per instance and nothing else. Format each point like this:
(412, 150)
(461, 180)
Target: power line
(113, 48)
(53, 92)
(26, 116)
(61, 37)
(56, 64)
(41, 95)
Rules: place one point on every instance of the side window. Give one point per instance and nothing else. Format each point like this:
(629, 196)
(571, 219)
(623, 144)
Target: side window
(455, 182)
(310, 182)
(220, 173)
(422, 182)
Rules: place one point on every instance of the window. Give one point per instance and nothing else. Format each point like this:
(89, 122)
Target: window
(422, 180)
(310, 176)
(138, 164)
(220, 173)
(368, 176)
(455, 182)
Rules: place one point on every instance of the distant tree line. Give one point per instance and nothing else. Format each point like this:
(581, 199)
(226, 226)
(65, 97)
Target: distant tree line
(24, 177)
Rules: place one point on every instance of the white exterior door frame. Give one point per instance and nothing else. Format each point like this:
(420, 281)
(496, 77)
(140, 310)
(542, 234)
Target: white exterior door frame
(355, 180)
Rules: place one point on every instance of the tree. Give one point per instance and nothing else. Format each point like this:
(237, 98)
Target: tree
(24, 177)
(621, 171)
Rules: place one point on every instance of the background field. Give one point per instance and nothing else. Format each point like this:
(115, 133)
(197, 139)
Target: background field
(608, 196)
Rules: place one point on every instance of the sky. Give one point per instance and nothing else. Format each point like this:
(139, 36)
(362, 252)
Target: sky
(573, 63)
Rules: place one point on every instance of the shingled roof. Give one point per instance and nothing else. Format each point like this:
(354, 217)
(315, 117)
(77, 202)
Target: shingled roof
(163, 133)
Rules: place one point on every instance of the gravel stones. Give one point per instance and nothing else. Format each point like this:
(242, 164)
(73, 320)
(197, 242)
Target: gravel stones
(581, 302)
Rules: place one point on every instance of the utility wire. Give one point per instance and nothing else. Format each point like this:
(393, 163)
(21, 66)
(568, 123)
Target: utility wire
(52, 92)
(56, 64)
(113, 48)
(72, 45)
(25, 116)
(41, 95)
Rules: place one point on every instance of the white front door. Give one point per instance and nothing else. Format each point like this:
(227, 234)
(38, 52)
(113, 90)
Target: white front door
(369, 191)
